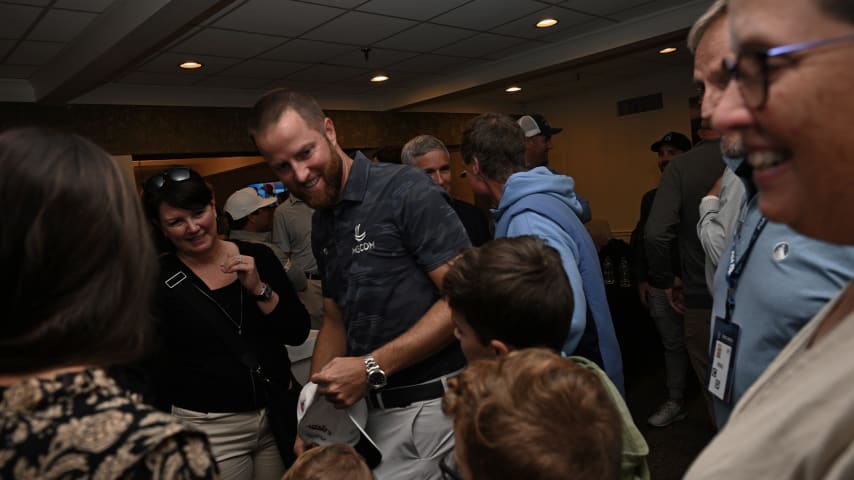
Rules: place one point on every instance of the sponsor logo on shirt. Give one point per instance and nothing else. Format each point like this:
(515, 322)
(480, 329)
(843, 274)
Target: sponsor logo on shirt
(361, 246)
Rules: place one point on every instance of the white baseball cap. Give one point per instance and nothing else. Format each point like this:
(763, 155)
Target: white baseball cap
(245, 201)
(320, 423)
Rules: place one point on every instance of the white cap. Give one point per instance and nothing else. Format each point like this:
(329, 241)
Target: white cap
(245, 201)
(529, 126)
(320, 423)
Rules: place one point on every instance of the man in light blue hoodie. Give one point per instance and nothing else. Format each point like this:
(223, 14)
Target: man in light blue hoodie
(539, 202)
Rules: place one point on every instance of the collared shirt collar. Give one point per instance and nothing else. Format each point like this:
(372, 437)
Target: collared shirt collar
(357, 181)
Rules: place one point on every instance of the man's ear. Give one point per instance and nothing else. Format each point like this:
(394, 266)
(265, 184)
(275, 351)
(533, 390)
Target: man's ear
(499, 347)
(253, 217)
(329, 130)
(475, 166)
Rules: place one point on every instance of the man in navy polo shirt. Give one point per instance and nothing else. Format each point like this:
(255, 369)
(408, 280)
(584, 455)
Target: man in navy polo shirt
(383, 235)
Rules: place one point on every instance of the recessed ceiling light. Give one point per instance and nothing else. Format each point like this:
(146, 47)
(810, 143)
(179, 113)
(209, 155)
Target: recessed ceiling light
(547, 22)
(379, 78)
(665, 51)
(190, 65)
(513, 89)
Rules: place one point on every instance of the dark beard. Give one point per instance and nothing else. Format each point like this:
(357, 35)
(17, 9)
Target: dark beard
(332, 179)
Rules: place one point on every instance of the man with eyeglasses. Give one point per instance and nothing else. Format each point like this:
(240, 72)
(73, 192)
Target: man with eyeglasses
(789, 98)
(771, 280)
(429, 154)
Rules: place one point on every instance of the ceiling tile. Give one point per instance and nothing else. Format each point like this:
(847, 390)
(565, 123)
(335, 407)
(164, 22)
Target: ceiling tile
(356, 28)
(219, 81)
(61, 25)
(581, 28)
(34, 53)
(256, 68)
(39, 3)
(16, 19)
(598, 7)
(5, 45)
(377, 58)
(227, 44)
(307, 51)
(487, 14)
(277, 17)
(525, 26)
(85, 5)
(17, 71)
(480, 45)
(413, 10)
(514, 49)
(644, 8)
(338, 3)
(328, 74)
(428, 63)
(168, 63)
(426, 37)
(142, 78)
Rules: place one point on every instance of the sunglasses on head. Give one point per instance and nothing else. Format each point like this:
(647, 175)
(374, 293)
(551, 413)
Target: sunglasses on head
(174, 174)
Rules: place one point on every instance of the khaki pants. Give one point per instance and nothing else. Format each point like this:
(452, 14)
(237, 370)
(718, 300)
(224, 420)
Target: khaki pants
(242, 444)
(412, 440)
(312, 299)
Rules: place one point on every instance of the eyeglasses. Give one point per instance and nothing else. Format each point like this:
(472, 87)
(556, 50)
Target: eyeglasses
(174, 174)
(448, 467)
(750, 69)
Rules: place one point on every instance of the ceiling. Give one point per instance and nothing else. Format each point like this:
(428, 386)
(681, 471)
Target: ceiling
(436, 52)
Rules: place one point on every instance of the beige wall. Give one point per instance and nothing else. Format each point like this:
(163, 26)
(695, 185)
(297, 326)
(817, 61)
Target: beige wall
(609, 156)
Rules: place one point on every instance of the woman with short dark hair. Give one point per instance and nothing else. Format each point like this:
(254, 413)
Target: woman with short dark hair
(226, 311)
(77, 283)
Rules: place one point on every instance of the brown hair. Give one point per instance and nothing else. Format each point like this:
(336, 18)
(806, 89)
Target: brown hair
(270, 107)
(79, 269)
(498, 143)
(533, 414)
(329, 462)
(514, 290)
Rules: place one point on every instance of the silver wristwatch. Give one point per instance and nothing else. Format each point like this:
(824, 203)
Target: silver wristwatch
(376, 376)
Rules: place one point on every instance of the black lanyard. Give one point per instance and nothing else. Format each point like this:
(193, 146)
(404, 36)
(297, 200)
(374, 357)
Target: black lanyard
(736, 267)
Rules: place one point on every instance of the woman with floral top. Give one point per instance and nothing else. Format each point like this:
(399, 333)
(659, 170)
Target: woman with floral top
(76, 290)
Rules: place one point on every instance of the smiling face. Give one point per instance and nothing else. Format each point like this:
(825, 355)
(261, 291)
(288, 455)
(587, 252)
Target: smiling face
(711, 79)
(437, 165)
(191, 231)
(798, 143)
(307, 161)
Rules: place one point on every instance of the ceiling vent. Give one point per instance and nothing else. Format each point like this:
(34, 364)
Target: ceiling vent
(647, 103)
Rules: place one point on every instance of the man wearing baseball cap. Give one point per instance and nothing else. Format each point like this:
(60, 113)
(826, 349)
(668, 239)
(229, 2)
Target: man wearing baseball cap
(252, 221)
(538, 142)
(667, 321)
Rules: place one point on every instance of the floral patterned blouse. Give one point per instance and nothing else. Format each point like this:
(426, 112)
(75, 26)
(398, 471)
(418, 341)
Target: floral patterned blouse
(83, 425)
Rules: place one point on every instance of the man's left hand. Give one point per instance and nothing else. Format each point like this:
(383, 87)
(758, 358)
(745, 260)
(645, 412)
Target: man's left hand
(343, 381)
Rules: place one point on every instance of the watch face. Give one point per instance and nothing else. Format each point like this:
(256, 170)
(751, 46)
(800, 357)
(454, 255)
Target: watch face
(377, 379)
